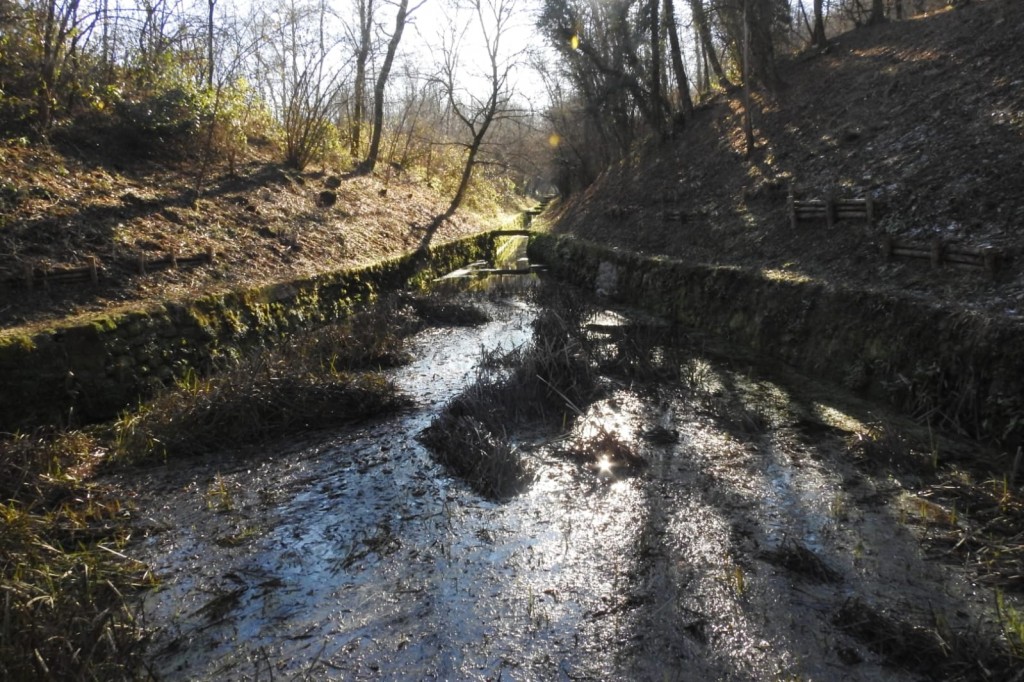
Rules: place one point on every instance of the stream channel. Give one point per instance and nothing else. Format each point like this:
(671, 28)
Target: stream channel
(748, 544)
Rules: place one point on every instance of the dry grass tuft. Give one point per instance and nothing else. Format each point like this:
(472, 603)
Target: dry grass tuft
(545, 380)
(316, 380)
(64, 584)
(485, 460)
(934, 652)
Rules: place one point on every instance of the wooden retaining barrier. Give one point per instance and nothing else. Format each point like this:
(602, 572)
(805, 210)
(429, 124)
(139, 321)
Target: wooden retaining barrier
(830, 209)
(91, 273)
(940, 253)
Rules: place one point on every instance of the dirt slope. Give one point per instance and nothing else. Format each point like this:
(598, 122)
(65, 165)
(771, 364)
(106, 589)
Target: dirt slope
(926, 115)
(62, 206)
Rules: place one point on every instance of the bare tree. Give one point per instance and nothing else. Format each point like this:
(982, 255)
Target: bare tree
(703, 29)
(211, 4)
(818, 33)
(401, 17)
(299, 75)
(362, 36)
(682, 84)
(59, 23)
(657, 102)
(494, 18)
(877, 12)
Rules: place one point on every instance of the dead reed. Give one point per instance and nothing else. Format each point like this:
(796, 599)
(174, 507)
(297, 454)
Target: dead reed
(65, 585)
(545, 380)
(484, 459)
(314, 380)
(930, 649)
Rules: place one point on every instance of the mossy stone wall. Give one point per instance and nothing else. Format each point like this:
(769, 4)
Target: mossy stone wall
(959, 370)
(93, 370)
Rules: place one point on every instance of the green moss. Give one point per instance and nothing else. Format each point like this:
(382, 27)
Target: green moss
(17, 344)
(103, 324)
(197, 332)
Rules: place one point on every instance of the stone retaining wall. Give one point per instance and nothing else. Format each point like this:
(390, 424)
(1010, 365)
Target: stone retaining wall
(958, 370)
(91, 371)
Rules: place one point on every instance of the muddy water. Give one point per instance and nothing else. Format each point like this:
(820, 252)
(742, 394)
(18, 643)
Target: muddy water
(733, 554)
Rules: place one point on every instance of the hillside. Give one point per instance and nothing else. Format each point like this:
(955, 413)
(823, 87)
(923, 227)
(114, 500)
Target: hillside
(926, 115)
(63, 204)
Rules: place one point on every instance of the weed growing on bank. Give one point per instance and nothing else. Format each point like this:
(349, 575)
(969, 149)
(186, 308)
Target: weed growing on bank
(65, 585)
(314, 380)
(67, 588)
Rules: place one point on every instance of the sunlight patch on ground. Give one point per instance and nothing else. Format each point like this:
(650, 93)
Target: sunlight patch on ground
(776, 275)
(838, 419)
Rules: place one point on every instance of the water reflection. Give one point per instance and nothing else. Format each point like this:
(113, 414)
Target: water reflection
(357, 557)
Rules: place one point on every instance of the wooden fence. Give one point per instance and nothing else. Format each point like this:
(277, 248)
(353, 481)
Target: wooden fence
(830, 210)
(940, 253)
(33, 276)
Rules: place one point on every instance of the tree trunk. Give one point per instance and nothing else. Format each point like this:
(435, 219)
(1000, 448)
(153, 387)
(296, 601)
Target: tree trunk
(359, 96)
(59, 22)
(757, 27)
(748, 123)
(818, 35)
(685, 103)
(877, 12)
(467, 172)
(209, 45)
(700, 20)
(378, 91)
(657, 103)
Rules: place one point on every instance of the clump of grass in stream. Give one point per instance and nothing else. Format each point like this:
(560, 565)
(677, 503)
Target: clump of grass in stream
(370, 339)
(470, 450)
(64, 584)
(643, 351)
(315, 380)
(1012, 622)
(444, 309)
(796, 558)
(989, 530)
(935, 651)
(546, 379)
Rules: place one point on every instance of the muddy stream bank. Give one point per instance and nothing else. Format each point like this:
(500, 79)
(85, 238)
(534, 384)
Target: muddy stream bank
(762, 530)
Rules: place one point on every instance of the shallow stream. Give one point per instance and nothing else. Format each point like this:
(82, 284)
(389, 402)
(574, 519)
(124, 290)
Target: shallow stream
(749, 546)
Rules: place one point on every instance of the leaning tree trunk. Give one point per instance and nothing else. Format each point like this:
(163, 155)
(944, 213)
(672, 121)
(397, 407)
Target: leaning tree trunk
(700, 20)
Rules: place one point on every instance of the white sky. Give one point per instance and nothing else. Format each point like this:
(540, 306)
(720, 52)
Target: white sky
(436, 18)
